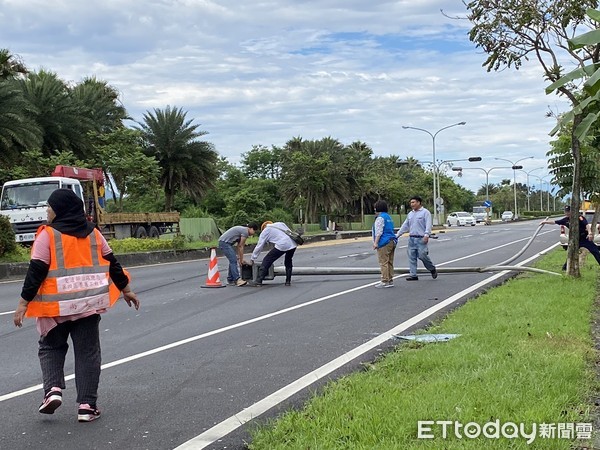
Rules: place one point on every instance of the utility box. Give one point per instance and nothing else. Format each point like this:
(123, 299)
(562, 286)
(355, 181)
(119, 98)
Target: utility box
(250, 272)
(323, 223)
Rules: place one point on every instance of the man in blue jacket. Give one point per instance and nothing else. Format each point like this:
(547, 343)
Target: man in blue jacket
(384, 241)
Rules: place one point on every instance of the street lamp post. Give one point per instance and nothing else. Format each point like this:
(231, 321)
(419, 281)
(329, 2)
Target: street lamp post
(402, 162)
(436, 220)
(528, 172)
(515, 168)
(439, 190)
(548, 192)
(541, 187)
(542, 180)
(487, 178)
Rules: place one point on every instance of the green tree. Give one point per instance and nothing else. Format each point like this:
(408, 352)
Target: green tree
(120, 154)
(61, 119)
(187, 164)
(262, 162)
(315, 170)
(11, 66)
(512, 31)
(18, 128)
(357, 158)
(99, 105)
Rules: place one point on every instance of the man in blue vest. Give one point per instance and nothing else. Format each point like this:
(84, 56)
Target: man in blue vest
(384, 241)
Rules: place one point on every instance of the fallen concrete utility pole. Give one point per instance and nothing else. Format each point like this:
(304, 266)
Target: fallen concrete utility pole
(280, 270)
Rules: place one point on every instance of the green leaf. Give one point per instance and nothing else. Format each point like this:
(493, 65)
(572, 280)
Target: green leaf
(593, 80)
(580, 72)
(594, 14)
(564, 119)
(589, 38)
(583, 128)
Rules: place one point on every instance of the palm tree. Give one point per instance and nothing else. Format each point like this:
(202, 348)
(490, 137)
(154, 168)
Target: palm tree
(11, 66)
(316, 171)
(101, 104)
(18, 129)
(62, 120)
(187, 164)
(357, 159)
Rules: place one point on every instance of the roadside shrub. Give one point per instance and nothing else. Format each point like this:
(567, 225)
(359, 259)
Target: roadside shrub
(241, 217)
(132, 245)
(279, 215)
(7, 237)
(195, 211)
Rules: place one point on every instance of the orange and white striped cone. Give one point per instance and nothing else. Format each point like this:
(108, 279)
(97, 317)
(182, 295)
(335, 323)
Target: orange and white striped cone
(213, 279)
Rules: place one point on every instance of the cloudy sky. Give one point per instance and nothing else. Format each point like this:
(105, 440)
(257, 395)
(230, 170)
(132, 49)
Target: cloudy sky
(261, 72)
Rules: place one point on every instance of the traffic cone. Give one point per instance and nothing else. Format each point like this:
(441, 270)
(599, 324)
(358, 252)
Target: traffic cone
(213, 280)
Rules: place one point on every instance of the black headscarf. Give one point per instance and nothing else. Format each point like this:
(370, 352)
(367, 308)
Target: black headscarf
(70, 217)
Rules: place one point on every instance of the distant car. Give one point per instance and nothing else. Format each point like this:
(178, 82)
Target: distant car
(460, 219)
(564, 231)
(507, 216)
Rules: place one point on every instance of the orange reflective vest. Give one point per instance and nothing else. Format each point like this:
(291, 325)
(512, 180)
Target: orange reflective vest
(78, 280)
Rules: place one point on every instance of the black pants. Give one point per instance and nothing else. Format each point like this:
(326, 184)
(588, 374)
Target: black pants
(53, 348)
(592, 248)
(273, 256)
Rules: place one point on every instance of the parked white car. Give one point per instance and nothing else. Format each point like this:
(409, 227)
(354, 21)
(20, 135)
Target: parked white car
(460, 219)
(564, 231)
(507, 216)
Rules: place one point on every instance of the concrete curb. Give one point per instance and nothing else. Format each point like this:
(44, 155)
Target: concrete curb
(11, 271)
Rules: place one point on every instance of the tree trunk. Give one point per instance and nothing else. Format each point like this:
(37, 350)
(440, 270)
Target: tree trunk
(362, 210)
(573, 249)
(169, 195)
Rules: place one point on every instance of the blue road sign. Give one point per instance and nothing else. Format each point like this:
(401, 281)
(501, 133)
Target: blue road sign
(487, 203)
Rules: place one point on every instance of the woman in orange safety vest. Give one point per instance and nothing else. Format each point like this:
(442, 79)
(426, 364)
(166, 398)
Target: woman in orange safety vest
(73, 276)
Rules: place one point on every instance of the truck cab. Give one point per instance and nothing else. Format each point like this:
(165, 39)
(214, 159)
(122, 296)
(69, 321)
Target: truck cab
(24, 202)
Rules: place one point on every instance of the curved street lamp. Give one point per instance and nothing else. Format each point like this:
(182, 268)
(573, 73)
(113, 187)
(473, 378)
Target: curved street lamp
(528, 172)
(436, 220)
(487, 179)
(515, 168)
(541, 193)
(403, 162)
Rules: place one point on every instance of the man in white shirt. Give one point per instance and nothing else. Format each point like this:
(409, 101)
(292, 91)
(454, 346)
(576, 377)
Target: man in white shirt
(274, 233)
(418, 225)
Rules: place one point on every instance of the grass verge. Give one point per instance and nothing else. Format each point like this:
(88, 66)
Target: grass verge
(525, 355)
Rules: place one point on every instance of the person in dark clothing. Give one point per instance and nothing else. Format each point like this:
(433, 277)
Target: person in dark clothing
(73, 277)
(586, 235)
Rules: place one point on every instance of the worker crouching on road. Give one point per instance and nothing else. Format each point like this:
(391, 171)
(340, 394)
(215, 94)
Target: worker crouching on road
(73, 276)
(274, 233)
(236, 236)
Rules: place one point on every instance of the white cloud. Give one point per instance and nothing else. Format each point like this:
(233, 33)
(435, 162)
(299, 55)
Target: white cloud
(263, 72)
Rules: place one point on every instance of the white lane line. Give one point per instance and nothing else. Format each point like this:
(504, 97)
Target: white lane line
(354, 255)
(232, 423)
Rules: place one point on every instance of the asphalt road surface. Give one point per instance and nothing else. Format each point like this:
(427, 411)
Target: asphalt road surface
(192, 365)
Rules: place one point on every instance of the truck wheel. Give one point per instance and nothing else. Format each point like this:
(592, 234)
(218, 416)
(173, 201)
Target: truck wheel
(140, 233)
(154, 233)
